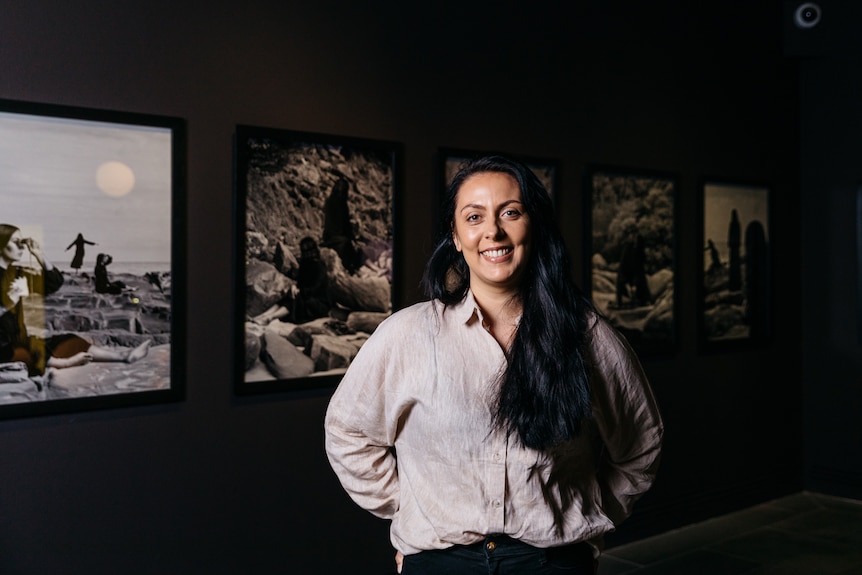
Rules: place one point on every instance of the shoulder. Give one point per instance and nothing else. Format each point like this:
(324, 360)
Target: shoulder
(414, 320)
(597, 326)
(605, 343)
(399, 339)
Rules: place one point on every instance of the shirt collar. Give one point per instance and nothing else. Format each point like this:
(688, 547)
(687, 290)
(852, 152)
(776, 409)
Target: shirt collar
(467, 310)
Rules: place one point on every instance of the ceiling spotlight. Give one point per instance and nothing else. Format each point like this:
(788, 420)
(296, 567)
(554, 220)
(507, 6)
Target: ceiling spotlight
(807, 15)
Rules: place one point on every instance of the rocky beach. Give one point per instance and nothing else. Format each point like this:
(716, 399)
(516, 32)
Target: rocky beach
(142, 312)
(340, 200)
(283, 349)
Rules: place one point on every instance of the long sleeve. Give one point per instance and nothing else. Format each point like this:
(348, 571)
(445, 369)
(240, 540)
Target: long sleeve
(629, 422)
(360, 428)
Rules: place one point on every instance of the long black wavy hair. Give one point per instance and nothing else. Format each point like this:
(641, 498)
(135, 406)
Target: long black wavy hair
(544, 394)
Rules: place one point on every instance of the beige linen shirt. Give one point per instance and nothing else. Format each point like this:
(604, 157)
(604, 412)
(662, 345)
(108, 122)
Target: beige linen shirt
(410, 435)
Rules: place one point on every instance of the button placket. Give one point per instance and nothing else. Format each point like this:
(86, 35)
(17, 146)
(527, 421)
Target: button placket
(496, 460)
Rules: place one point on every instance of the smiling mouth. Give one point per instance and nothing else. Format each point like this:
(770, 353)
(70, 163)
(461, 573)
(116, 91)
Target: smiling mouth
(497, 253)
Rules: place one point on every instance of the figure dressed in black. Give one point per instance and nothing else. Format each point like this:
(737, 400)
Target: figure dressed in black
(313, 299)
(632, 271)
(337, 228)
(310, 298)
(103, 281)
(757, 313)
(78, 258)
(734, 241)
(714, 257)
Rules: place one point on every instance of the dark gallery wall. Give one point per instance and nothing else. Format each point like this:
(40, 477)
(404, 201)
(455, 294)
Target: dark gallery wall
(221, 484)
(831, 180)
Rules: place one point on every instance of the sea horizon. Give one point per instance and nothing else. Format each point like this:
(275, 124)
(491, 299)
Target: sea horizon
(134, 268)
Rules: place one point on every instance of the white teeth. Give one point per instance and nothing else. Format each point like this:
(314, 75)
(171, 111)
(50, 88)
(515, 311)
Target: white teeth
(497, 253)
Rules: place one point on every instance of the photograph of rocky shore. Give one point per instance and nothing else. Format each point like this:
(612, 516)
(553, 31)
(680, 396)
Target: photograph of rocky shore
(317, 241)
(88, 307)
(140, 314)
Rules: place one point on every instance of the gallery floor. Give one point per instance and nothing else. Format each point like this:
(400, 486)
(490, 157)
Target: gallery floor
(802, 534)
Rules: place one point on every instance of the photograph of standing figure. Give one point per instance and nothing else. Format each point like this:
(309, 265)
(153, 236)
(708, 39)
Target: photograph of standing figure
(631, 254)
(79, 244)
(735, 280)
(73, 335)
(316, 231)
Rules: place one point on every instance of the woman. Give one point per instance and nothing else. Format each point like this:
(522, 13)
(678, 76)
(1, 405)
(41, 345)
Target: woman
(523, 424)
(19, 284)
(103, 281)
(78, 259)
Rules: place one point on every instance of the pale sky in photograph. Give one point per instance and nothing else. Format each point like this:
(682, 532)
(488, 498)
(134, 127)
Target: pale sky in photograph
(110, 182)
(750, 203)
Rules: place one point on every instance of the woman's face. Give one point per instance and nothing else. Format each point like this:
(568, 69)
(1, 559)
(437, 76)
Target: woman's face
(14, 249)
(492, 231)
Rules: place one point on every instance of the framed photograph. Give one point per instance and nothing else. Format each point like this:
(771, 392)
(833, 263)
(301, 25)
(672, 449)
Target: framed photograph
(93, 259)
(316, 253)
(451, 159)
(859, 262)
(735, 264)
(631, 250)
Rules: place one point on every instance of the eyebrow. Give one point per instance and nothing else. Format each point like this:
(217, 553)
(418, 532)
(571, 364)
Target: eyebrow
(482, 207)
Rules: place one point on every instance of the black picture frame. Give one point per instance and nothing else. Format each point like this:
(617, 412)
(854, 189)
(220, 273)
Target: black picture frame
(632, 223)
(859, 263)
(734, 296)
(112, 183)
(450, 159)
(342, 193)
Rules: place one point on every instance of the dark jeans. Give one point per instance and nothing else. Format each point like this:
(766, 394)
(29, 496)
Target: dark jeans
(502, 555)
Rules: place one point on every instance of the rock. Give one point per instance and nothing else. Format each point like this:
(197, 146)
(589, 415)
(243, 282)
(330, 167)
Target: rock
(599, 261)
(356, 293)
(283, 259)
(302, 335)
(283, 359)
(722, 319)
(604, 282)
(659, 283)
(365, 321)
(255, 244)
(253, 346)
(265, 285)
(331, 352)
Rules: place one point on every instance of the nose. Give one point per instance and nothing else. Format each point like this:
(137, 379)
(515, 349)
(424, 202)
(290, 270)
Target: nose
(493, 229)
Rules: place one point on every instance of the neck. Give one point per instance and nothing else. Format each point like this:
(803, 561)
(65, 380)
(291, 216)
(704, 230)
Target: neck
(500, 311)
(495, 300)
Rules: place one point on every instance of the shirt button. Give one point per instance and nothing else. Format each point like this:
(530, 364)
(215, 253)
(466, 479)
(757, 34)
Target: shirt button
(496, 503)
(490, 546)
(498, 457)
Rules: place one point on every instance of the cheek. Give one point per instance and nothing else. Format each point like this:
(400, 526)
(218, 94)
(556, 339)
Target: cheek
(527, 243)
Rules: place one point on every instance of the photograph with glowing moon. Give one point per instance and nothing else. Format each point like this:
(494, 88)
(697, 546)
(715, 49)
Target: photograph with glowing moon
(90, 238)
